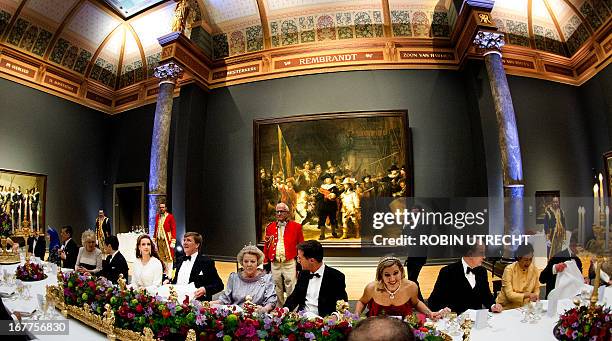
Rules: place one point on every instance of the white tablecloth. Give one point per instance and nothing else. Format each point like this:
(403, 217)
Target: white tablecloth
(77, 330)
(127, 245)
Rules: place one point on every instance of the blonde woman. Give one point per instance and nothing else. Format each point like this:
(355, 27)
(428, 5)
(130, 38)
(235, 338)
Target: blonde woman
(392, 293)
(250, 281)
(89, 259)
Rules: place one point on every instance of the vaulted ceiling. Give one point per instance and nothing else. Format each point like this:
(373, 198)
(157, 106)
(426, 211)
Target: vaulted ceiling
(114, 42)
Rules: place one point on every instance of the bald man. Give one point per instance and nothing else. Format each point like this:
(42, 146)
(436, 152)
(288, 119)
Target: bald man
(280, 250)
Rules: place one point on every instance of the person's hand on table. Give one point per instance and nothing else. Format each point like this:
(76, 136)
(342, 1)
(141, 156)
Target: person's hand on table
(199, 292)
(532, 297)
(497, 308)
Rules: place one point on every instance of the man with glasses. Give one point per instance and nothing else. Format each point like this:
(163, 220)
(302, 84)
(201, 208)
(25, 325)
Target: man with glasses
(280, 250)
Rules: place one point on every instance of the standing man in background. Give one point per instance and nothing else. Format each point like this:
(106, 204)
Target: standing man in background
(280, 250)
(103, 229)
(165, 235)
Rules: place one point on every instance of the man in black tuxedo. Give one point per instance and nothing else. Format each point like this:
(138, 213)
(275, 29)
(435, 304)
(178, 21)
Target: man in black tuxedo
(115, 263)
(37, 245)
(5, 315)
(69, 249)
(197, 268)
(319, 286)
(464, 284)
(557, 264)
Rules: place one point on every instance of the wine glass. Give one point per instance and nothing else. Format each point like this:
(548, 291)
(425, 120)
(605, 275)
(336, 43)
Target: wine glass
(453, 325)
(19, 288)
(43, 305)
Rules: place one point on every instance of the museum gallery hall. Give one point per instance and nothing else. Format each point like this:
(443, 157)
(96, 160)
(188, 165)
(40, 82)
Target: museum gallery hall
(305, 169)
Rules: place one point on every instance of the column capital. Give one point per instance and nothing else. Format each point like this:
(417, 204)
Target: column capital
(489, 41)
(168, 73)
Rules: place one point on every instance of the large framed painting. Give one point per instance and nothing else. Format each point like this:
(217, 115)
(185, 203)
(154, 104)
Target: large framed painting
(313, 163)
(22, 202)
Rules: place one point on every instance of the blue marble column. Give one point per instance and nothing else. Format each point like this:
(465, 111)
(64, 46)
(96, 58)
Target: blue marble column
(510, 148)
(158, 169)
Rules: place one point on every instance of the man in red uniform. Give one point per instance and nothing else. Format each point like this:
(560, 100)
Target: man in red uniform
(164, 221)
(280, 249)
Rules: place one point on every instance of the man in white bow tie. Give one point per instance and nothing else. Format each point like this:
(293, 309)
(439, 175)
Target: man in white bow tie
(197, 268)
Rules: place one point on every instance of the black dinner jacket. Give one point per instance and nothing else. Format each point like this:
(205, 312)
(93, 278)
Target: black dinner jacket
(5, 315)
(333, 288)
(203, 274)
(546, 276)
(112, 269)
(41, 245)
(72, 251)
(453, 290)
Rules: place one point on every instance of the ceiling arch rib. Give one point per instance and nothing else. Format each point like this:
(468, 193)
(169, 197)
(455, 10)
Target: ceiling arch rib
(263, 16)
(13, 19)
(143, 57)
(530, 23)
(99, 50)
(579, 15)
(60, 29)
(557, 26)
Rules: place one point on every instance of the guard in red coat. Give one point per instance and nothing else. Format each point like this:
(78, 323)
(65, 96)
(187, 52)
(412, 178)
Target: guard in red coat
(280, 249)
(164, 221)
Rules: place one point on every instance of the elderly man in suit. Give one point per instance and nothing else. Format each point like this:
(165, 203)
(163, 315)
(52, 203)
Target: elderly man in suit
(197, 268)
(69, 249)
(464, 284)
(319, 286)
(557, 264)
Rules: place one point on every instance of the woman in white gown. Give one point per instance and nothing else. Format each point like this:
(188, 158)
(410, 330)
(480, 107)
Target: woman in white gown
(148, 269)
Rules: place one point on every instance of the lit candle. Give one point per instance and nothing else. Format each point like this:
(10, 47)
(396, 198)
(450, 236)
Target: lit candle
(12, 222)
(606, 226)
(601, 197)
(580, 222)
(31, 218)
(19, 216)
(595, 204)
(38, 220)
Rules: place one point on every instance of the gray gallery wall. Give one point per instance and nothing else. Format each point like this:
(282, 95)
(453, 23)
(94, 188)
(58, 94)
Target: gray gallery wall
(45, 134)
(447, 147)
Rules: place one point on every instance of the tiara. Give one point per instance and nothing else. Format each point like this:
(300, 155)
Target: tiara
(388, 258)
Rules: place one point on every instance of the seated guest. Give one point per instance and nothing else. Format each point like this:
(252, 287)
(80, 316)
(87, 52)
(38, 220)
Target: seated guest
(148, 269)
(319, 286)
(69, 249)
(54, 246)
(36, 245)
(6, 315)
(557, 264)
(197, 268)
(381, 328)
(392, 294)
(89, 260)
(115, 263)
(464, 284)
(520, 284)
(251, 281)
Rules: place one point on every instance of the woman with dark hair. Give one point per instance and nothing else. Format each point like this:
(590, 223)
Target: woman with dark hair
(520, 282)
(148, 269)
(54, 245)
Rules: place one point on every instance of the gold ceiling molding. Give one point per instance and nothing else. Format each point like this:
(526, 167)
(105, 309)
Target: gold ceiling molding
(383, 53)
(60, 28)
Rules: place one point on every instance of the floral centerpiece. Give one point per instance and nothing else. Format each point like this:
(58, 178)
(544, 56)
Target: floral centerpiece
(5, 224)
(172, 319)
(30, 272)
(592, 323)
(424, 330)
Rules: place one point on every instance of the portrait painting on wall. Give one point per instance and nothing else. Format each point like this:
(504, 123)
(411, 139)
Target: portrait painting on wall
(607, 157)
(323, 165)
(22, 201)
(544, 199)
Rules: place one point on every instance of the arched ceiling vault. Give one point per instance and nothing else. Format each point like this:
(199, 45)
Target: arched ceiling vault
(113, 45)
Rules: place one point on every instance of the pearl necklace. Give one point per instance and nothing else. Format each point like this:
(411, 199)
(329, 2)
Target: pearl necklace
(392, 293)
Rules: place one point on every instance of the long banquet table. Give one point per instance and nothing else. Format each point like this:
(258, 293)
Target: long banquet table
(504, 326)
(77, 329)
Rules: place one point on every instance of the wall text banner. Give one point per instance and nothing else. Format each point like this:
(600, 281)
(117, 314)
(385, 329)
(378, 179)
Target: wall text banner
(337, 58)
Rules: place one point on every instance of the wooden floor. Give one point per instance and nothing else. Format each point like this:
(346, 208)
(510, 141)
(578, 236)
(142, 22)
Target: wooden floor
(357, 278)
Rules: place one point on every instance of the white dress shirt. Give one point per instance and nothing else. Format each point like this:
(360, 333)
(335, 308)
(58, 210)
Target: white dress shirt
(185, 271)
(471, 277)
(312, 294)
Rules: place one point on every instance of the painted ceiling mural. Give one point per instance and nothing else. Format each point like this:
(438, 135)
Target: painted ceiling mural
(114, 42)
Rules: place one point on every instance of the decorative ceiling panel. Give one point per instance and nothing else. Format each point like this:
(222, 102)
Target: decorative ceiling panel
(421, 18)
(154, 25)
(132, 68)
(221, 11)
(53, 10)
(91, 24)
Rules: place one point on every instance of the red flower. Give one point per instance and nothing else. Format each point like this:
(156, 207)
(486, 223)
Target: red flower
(166, 313)
(325, 333)
(92, 285)
(139, 308)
